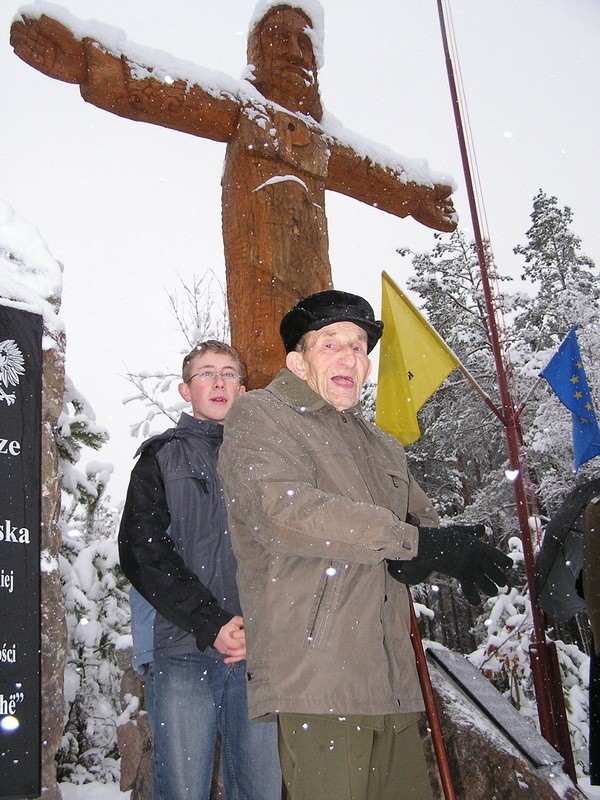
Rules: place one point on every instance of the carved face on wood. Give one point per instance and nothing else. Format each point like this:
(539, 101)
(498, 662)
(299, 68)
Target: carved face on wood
(284, 61)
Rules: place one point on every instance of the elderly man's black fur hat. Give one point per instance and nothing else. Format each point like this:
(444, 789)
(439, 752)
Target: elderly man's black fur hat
(324, 308)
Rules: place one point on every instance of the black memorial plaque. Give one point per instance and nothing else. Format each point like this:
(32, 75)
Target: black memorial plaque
(20, 519)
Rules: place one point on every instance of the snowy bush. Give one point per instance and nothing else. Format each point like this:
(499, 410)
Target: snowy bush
(504, 658)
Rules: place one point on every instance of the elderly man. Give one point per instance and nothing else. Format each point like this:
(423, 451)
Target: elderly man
(318, 501)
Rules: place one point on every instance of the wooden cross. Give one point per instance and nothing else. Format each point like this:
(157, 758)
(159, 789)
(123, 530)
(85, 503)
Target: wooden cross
(279, 160)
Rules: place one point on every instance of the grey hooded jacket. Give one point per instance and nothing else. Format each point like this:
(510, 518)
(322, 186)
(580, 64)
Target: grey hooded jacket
(174, 544)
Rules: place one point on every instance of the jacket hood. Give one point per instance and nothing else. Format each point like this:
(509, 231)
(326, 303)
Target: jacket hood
(207, 428)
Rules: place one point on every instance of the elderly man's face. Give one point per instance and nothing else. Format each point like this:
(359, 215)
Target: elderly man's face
(334, 363)
(285, 68)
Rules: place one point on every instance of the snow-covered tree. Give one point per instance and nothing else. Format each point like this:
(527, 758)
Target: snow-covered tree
(368, 399)
(566, 292)
(461, 459)
(97, 612)
(565, 282)
(95, 600)
(77, 428)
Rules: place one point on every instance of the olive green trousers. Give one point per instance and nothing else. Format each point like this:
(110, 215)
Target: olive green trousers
(353, 758)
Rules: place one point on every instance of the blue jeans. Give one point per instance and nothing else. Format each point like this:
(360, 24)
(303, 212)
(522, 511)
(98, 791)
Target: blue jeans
(194, 697)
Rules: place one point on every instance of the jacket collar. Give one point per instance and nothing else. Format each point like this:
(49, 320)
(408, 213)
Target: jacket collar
(200, 427)
(298, 394)
(187, 426)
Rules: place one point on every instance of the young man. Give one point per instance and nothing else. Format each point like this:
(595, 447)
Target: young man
(318, 502)
(175, 549)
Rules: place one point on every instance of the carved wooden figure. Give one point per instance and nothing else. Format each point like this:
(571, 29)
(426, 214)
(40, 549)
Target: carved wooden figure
(279, 159)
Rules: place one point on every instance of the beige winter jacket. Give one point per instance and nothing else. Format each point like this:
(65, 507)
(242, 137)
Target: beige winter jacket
(317, 501)
(591, 566)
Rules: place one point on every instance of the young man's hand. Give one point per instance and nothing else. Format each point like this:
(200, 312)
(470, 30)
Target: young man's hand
(231, 641)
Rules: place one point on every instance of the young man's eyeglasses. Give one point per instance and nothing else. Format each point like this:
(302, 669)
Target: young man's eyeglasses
(210, 375)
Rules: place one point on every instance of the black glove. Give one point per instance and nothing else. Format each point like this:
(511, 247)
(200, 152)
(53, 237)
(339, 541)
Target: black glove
(456, 551)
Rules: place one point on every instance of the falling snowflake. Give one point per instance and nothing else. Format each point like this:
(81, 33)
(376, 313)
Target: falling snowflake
(12, 365)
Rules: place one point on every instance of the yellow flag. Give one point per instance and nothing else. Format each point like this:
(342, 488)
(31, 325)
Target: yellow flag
(413, 363)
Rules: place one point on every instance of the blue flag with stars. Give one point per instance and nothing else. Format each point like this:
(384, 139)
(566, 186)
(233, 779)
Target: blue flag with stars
(565, 374)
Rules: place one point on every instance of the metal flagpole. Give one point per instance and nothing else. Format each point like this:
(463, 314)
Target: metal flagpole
(432, 713)
(549, 696)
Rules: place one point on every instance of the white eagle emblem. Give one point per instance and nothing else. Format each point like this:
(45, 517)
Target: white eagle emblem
(12, 364)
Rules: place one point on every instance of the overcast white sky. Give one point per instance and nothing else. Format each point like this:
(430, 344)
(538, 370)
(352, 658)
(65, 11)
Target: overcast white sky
(129, 208)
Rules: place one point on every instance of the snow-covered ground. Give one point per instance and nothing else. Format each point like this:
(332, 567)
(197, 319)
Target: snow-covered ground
(94, 791)
(102, 791)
